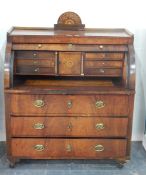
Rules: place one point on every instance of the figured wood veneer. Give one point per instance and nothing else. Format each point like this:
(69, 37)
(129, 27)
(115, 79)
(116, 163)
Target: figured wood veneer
(69, 94)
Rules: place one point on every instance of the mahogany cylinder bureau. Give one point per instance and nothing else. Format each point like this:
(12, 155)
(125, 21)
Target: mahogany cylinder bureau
(69, 94)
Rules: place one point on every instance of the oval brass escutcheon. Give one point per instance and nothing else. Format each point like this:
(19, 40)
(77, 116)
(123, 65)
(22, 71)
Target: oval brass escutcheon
(39, 126)
(99, 148)
(39, 103)
(99, 104)
(99, 126)
(39, 147)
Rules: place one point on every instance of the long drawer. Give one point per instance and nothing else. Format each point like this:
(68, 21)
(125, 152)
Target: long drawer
(68, 148)
(66, 105)
(68, 127)
(71, 47)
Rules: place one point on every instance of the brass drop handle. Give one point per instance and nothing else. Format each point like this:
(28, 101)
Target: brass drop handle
(39, 126)
(39, 103)
(39, 147)
(99, 104)
(68, 147)
(99, 148)
(99, 126)
(69, 104)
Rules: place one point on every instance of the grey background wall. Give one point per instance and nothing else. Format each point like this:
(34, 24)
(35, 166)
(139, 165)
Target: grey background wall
(94, 13)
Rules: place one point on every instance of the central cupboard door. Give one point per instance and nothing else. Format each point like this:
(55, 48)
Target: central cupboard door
(69, 63)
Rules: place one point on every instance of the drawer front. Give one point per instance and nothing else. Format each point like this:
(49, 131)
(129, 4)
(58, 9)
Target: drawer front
(69, 63)
(34, 70)
(109, 105)
(104, 56)
(35, 62)
(68, 148)
(103, 64)
(71, 47)
(34, 54)
(68, 127)
(103, 72)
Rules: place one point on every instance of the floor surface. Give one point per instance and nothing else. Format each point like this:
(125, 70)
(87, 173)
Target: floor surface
(136, 166)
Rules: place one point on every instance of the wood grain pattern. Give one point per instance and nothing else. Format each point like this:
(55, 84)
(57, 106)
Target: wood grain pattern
(69, 127)
(103, 64)
(69, 94)
(57, 148)
(80, 105)
(69, 63)
(104, 56)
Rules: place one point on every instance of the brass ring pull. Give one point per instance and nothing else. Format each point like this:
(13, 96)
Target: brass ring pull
(39, 126)
(99, 104)
(68, 148)
(99, 126)
(99, 148)
(39, 103)
(69, 104)
(39, 147)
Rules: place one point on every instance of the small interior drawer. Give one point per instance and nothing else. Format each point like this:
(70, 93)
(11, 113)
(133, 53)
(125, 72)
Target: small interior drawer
(36, 62)
(32, 54)
(108, 72)
(104, 55)
(103, 64)
(34, 70)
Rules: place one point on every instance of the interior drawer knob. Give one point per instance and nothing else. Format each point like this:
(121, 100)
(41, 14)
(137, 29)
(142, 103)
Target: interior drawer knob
(39, 147)
(35, 62)
(70, 45)
(69, 104)
(39, 45)
(101, 70)
(36, 70)
(39, 103)
(39, 126)
(101, 46)
(68, 147)
(99, 104)
(99, 148)
(34, 55)
(99, 126)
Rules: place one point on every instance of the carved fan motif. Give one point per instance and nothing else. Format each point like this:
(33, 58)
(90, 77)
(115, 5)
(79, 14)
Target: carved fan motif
(69, 21)
(69, 18)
